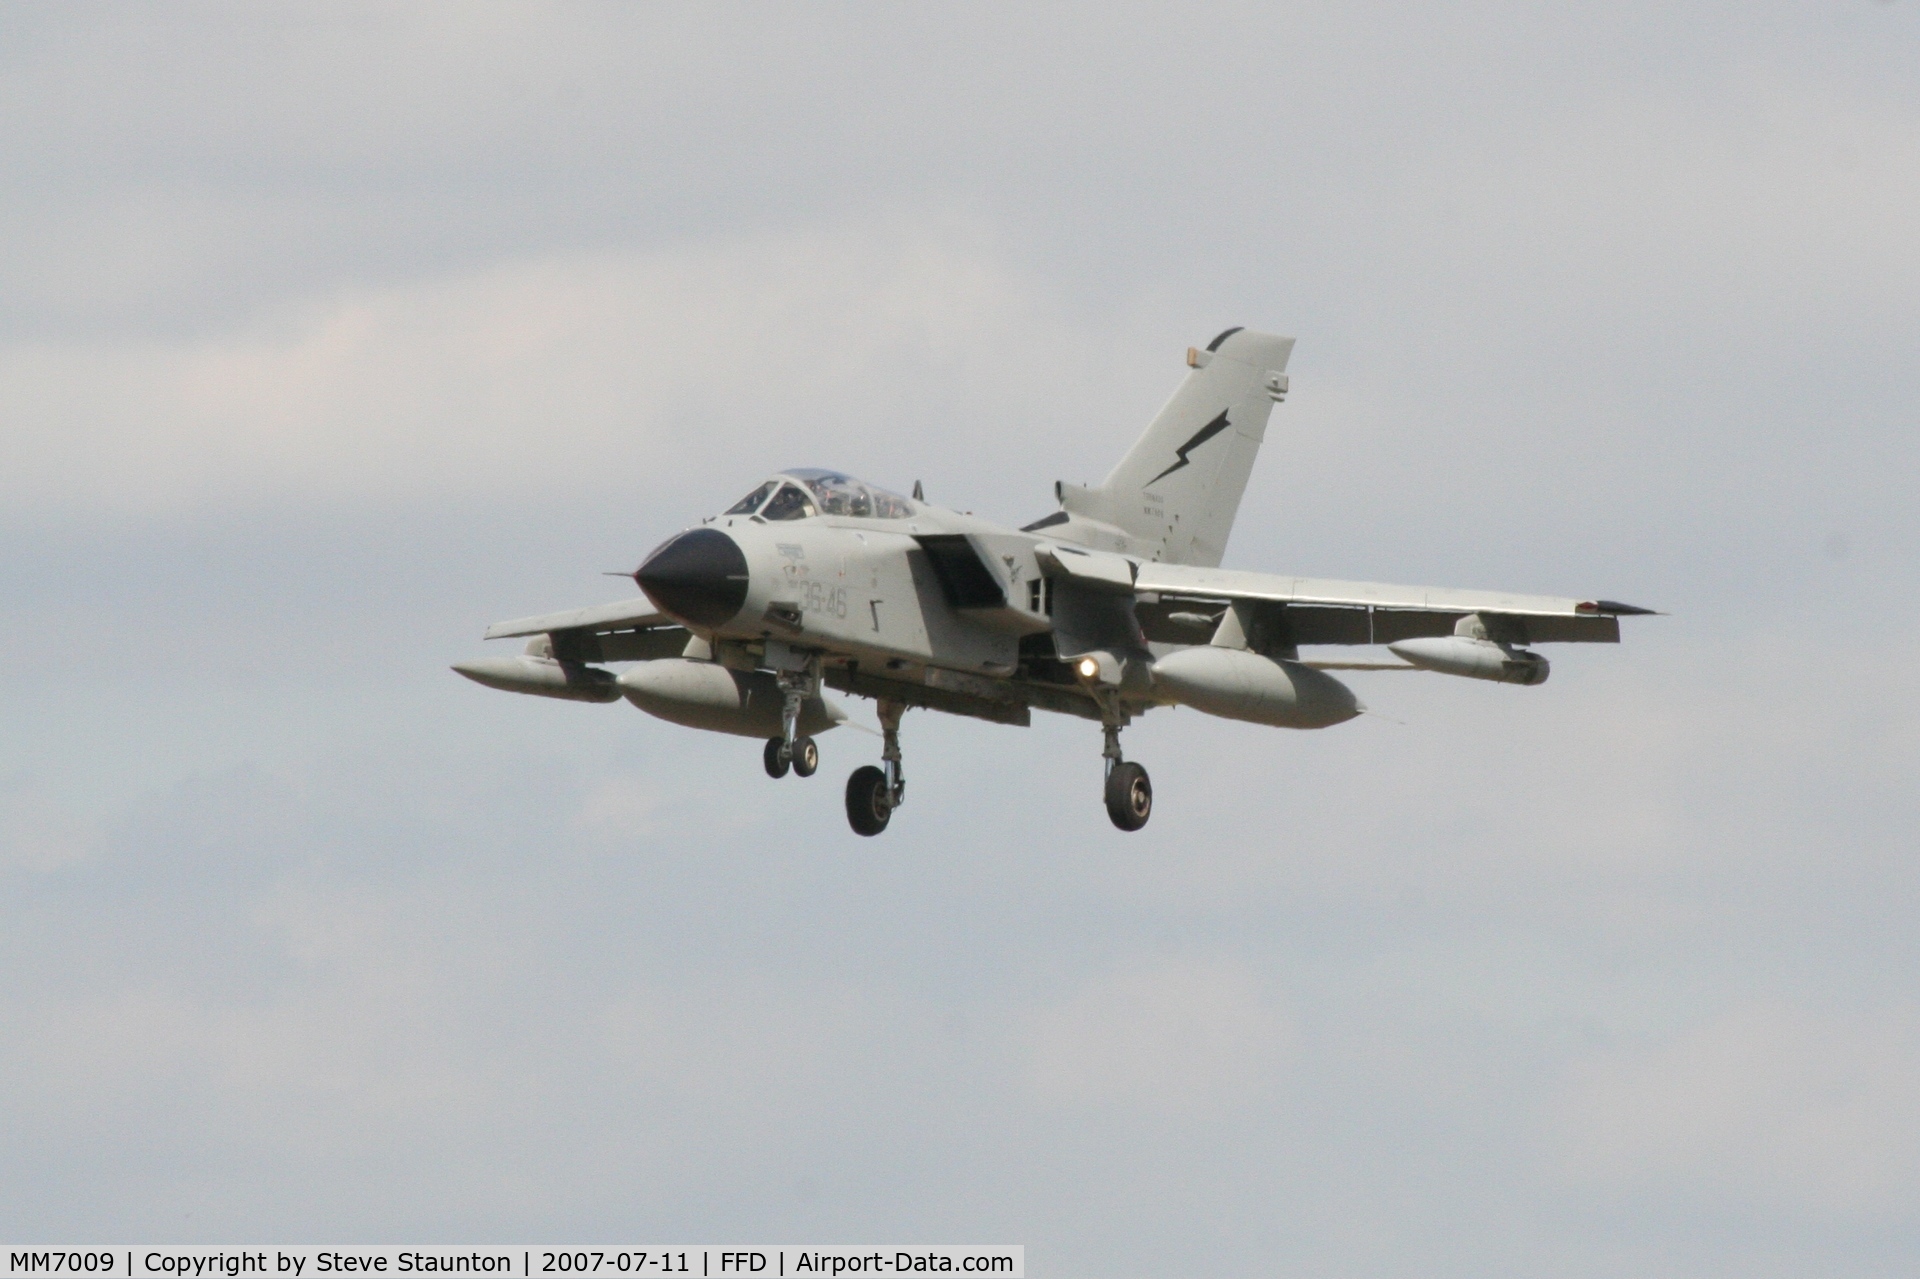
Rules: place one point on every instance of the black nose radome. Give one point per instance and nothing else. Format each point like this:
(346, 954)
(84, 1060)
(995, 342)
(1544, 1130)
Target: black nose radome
(699, 577)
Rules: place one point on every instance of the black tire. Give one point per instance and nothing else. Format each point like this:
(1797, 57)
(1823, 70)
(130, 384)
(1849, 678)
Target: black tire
(1129, 796)
(777, 764)
(867, 806)
(806, 757)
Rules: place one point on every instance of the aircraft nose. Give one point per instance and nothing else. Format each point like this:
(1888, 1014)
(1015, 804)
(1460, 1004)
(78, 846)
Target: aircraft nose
(700, 577)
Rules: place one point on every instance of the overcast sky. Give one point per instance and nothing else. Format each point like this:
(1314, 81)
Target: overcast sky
(330, 334)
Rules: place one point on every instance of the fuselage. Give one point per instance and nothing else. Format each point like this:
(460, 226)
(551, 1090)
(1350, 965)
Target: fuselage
(884, 581)
(871, 589)
(896, 597)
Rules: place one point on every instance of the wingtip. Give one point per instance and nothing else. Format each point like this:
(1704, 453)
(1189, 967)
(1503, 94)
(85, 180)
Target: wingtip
(1614, 608)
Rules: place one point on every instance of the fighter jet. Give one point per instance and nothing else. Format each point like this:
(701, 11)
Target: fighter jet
(1112, 605)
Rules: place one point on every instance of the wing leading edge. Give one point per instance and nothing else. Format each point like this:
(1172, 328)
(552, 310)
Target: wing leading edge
(623, 631)
(621, 615)
(1327, 611)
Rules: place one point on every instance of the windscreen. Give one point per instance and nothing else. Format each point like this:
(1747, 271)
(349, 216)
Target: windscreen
(790, 503)
(751, 502)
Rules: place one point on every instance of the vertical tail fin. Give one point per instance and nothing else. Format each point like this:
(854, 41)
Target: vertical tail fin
(1174, 495)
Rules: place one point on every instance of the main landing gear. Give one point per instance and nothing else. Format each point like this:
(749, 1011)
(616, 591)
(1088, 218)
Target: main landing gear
(1129, 790)
(873, 793)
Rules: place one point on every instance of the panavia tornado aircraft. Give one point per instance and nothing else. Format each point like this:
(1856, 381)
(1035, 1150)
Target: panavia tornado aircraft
(1112, 605)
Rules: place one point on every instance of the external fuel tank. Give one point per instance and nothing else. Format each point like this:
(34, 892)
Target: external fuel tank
(1236, 684)
(711, 696)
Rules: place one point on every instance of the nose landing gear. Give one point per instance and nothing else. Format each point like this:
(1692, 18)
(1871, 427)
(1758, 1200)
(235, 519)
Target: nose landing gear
(803, 757)
(792, 749)
(873, 794)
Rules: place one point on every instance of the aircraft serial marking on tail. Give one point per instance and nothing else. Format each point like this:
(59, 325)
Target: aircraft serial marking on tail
(1109, 607)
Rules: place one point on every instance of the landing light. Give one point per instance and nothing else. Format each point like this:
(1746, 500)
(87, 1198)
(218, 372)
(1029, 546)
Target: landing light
(1088, 668)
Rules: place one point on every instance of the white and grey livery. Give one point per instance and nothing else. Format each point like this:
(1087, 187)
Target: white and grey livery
(1110, 606)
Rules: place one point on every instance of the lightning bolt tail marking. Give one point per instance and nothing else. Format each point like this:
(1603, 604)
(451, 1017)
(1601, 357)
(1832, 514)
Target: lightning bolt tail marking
(1200, 437)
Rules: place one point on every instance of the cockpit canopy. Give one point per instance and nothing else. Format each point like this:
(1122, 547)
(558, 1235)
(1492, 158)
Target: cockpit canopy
(797, 494)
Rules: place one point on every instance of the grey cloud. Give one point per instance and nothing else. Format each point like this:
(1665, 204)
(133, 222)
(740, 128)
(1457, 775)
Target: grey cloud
(1768, 1103)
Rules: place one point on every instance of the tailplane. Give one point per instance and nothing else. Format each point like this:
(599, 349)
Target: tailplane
(1174, 495)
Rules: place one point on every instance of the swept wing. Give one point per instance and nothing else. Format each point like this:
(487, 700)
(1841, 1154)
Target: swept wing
(623, 631)
(1328, 611)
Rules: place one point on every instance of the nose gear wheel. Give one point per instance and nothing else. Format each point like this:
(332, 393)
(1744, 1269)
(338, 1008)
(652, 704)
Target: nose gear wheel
(803, 758)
